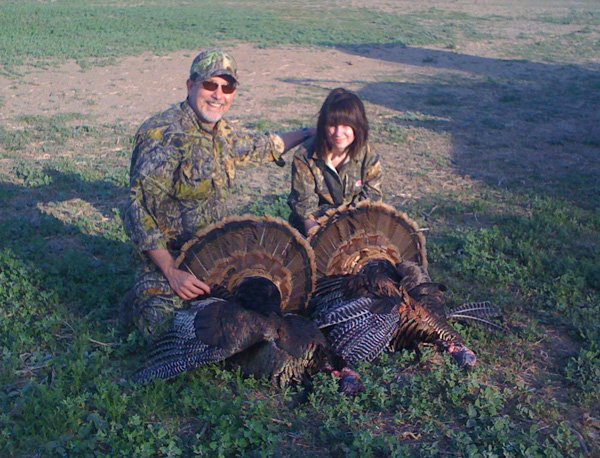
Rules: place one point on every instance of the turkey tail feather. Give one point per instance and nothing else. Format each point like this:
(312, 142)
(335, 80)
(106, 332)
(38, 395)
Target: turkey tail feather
(225, 253)
(349, 237)
(483, 309)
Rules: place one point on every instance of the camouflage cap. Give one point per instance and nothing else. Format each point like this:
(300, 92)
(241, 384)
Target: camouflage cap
(213, 62)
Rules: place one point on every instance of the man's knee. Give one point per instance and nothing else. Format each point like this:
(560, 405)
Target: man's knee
(150, 305)
(154, 315)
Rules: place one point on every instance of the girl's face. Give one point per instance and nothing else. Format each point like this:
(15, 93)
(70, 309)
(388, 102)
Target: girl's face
(340, 137)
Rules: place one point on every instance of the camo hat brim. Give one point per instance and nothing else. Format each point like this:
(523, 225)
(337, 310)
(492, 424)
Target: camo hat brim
(213, 62)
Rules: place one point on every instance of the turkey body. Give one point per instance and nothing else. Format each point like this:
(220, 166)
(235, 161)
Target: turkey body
(385, 307)
(262, 271)
(374, 292)
(259, 340)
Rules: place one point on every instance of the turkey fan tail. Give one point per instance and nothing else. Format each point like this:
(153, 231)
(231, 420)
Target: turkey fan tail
(226, 253)
(482, 314)
(348, 238)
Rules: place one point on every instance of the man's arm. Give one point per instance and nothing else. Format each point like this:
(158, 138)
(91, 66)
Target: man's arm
(295, 137)
(253, 148)
(151, 176)
(185, 285)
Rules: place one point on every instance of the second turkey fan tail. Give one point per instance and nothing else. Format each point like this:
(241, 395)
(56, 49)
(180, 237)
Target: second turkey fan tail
(350, 237)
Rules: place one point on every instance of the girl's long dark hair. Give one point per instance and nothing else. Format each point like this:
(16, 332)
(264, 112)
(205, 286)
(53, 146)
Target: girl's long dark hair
(342, 107)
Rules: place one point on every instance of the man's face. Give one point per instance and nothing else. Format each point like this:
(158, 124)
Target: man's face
(210, 105)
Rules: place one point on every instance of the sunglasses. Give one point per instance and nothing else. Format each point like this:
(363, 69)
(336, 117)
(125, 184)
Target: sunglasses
(212, 86)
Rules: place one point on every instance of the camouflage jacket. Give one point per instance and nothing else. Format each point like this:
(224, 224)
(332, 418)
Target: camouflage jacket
(181, 173)
(317, 186)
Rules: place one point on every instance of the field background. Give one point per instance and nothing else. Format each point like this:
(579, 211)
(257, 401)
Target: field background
(486, 115)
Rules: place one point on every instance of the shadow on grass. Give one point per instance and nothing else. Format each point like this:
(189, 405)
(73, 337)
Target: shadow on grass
(78, 251)
(516, 125)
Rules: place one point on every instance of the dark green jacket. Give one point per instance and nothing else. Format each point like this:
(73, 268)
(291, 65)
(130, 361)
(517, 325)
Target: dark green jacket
(181, 173)
(316, 186)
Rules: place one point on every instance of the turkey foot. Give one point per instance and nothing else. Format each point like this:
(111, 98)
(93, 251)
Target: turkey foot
(461, 354)
(350, 383)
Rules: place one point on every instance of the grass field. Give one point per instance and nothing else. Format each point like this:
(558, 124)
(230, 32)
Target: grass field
(492, 107)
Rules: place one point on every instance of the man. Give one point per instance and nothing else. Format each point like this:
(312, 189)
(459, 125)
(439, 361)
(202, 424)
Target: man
(182, 168)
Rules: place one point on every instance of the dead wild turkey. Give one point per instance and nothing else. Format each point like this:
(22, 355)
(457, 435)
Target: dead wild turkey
(374, 292)
(259, 270)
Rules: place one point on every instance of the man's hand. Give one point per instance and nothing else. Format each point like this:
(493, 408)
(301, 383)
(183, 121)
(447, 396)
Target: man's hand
(184, 284)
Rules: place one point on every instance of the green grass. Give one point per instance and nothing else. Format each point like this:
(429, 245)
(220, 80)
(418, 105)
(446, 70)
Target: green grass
(45, 33)
(549, 47)
(531, 247)
(573, 17)
(66, 362)
(41, 33)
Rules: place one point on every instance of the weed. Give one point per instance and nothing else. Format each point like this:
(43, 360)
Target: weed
(272, 206)
(584, 371)
(31, 175)
(390, 132)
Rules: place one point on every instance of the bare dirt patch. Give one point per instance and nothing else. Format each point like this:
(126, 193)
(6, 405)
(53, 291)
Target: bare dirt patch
(460, 118)
(142, 85)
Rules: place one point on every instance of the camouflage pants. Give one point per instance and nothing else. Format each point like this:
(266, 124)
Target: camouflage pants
(151, 303)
